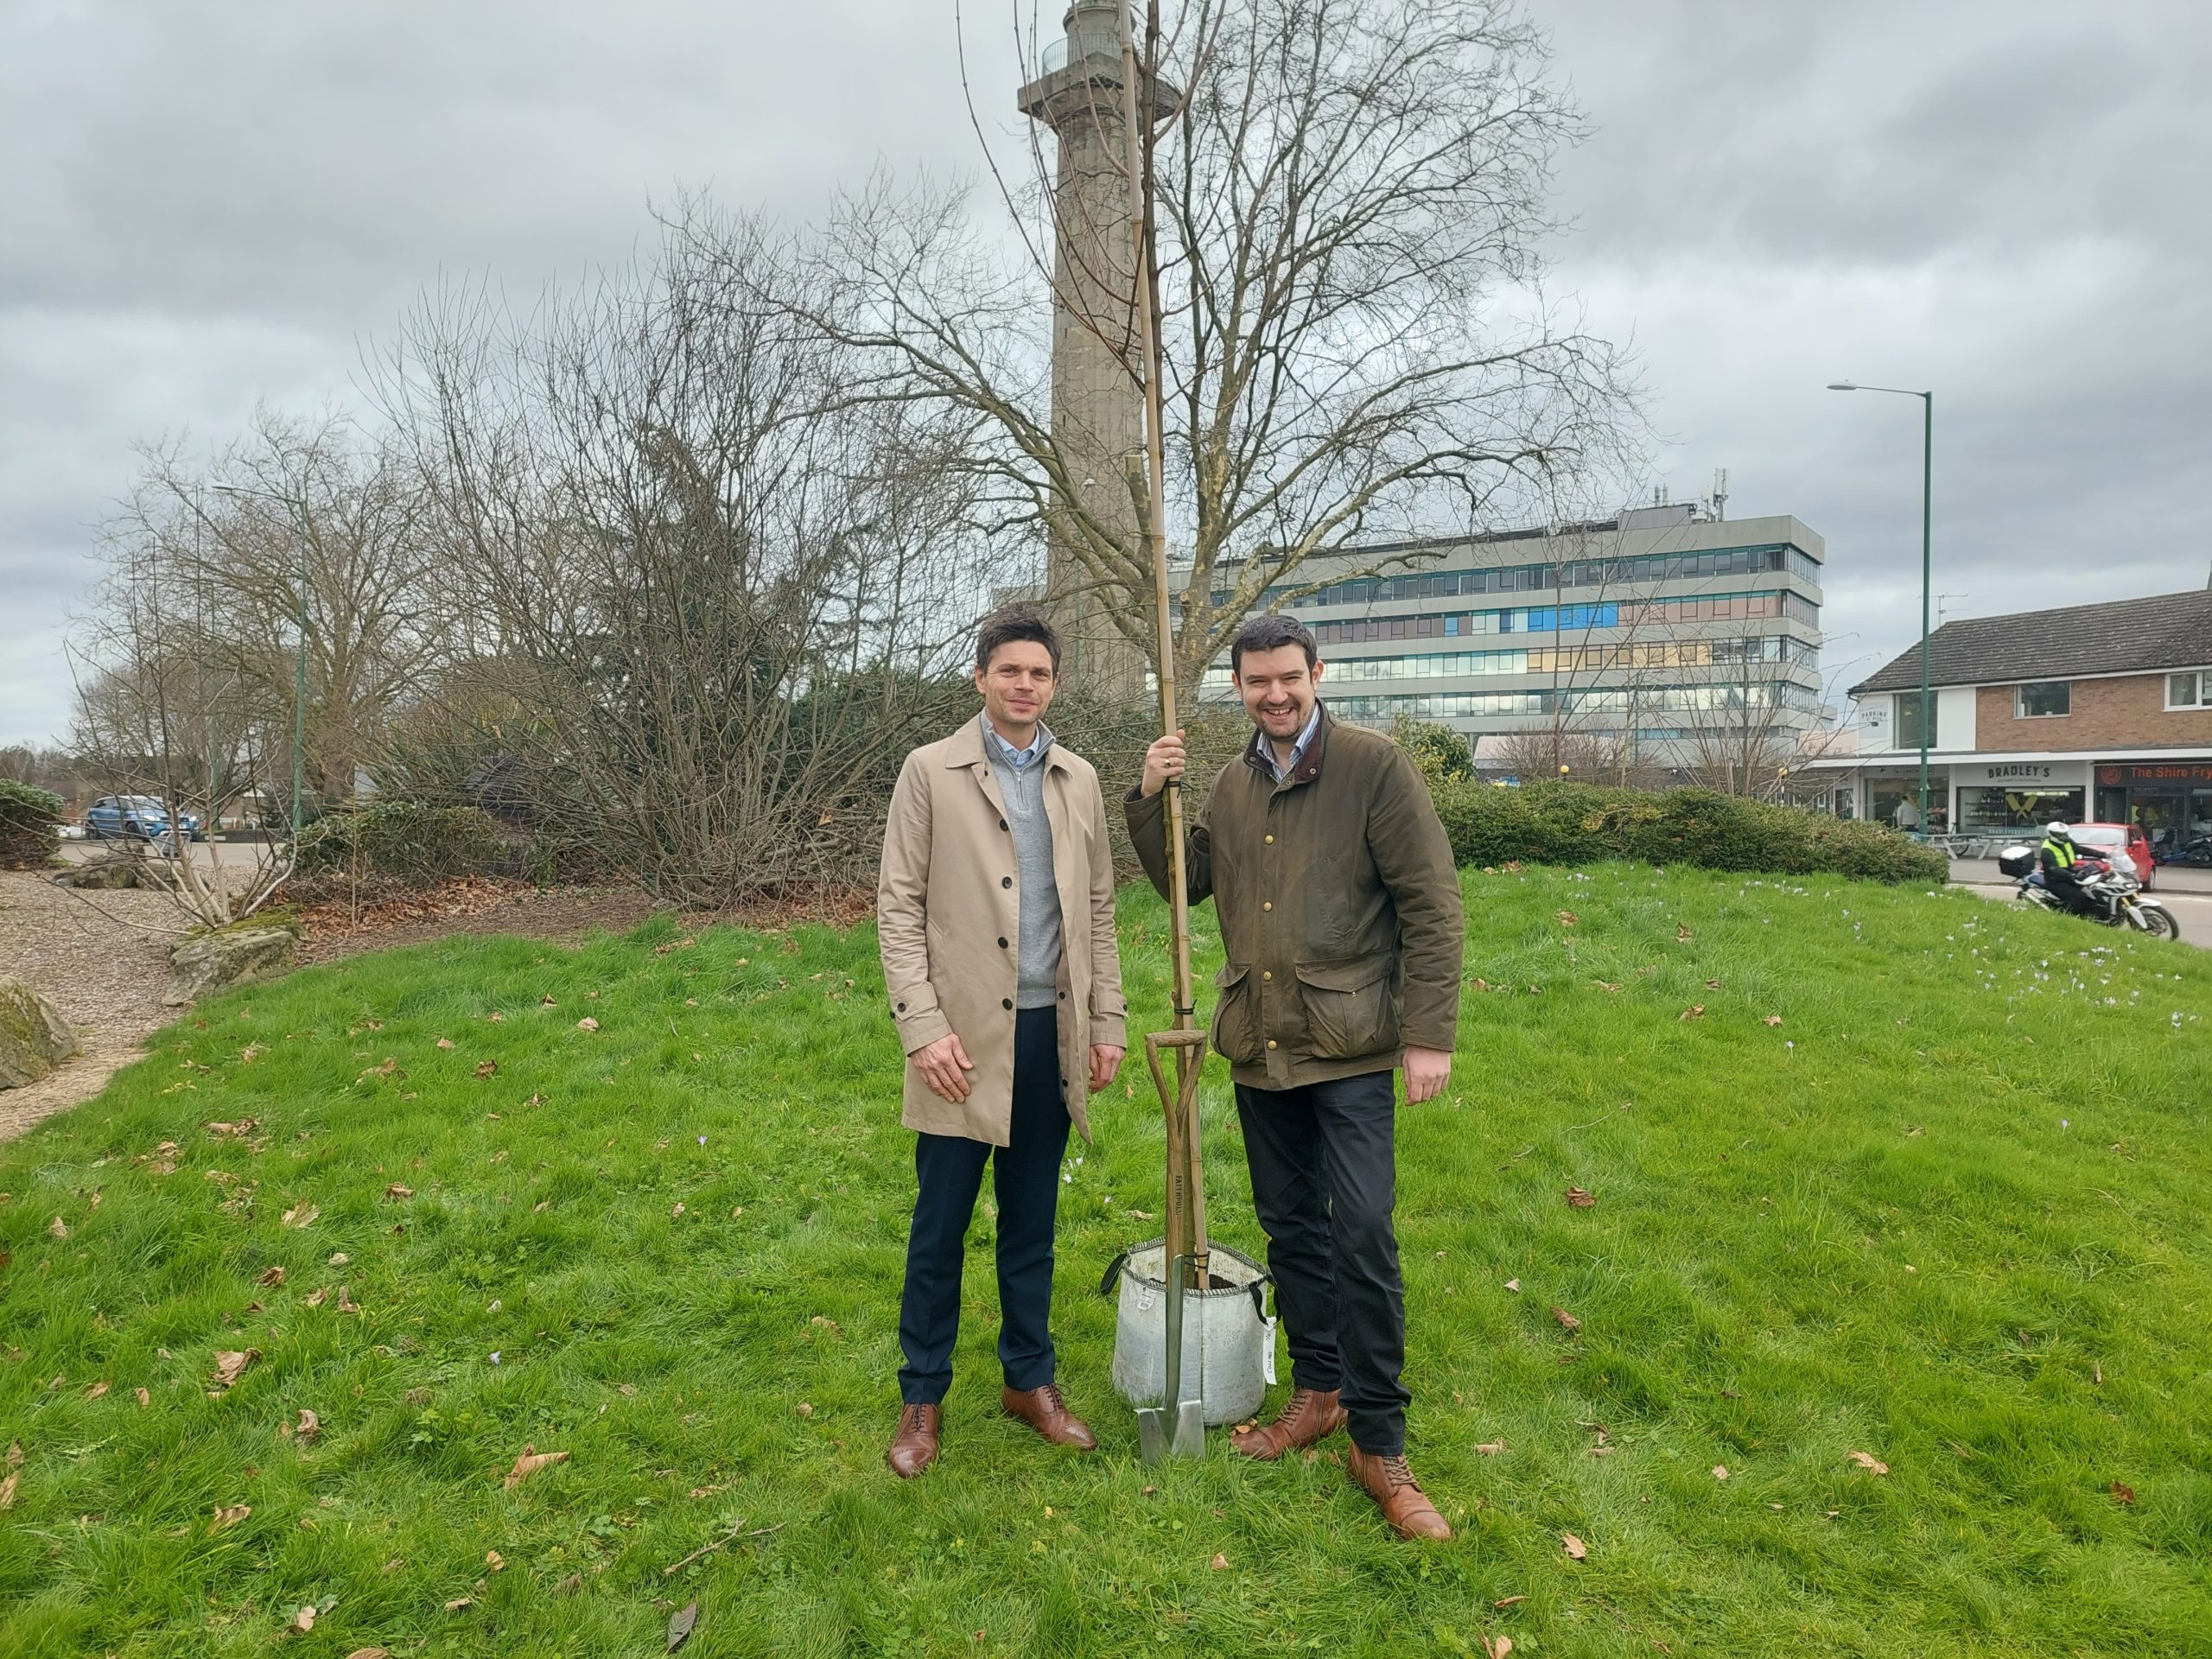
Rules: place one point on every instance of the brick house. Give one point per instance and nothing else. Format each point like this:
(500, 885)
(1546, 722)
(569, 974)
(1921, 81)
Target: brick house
(2098, 712)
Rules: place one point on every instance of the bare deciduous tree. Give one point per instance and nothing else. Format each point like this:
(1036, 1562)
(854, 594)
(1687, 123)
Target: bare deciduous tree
(1351, 197)
(721, 594)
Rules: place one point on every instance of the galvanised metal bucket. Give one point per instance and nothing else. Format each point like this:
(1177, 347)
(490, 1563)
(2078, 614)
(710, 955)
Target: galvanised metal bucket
(1228, 1335)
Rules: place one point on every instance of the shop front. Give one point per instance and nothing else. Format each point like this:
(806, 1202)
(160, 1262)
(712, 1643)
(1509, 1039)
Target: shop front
(2020, 794)
(2172, 799)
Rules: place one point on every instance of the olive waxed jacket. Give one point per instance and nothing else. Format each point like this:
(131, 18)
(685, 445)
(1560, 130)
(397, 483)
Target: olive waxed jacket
(1338, 902)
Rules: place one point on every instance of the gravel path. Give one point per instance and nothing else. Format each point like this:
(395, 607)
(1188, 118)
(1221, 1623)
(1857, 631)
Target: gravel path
(103, 960)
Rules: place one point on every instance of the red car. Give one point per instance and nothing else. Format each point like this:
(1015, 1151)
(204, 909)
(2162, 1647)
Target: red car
(2119, 838)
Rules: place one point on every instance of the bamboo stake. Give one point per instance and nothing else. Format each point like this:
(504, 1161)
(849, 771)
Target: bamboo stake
(1186, 1180)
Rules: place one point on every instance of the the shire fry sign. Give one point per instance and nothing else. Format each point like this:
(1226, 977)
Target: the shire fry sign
(2172, 771)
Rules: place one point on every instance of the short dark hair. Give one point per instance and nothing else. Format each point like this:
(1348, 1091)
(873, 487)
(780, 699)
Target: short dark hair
(1269, 633)
(1010, 623)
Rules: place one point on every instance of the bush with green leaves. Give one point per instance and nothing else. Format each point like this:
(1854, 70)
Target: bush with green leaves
(29, 820)
(1582, 823)
(405, 841)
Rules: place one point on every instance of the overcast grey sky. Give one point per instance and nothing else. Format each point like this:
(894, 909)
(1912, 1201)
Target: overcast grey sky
(212, 204)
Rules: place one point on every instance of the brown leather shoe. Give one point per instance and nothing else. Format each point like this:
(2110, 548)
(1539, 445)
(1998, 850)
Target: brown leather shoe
(1404, 1505)
(1044, 1411)
(914, 1448)
(1308, 1415)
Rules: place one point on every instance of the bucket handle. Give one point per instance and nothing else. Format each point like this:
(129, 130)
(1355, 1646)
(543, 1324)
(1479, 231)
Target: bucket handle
(1258, 1290)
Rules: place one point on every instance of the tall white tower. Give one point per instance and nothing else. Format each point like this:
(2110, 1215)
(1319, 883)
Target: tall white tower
(1097, 418)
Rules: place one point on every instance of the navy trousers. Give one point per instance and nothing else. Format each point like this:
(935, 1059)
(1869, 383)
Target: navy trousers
(1026, 1178)
(1323, 1183)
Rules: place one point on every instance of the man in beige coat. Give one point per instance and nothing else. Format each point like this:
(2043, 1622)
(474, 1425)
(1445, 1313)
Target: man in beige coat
(996, 910)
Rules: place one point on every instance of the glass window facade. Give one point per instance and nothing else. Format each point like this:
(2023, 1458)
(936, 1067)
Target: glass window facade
(1526, 578)
(2018, 809)
(1908, 720)
(2191, 691)
(1557, 618)
(2044, 701)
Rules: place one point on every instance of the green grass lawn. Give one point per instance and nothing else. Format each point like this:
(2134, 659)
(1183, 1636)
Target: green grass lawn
(1927, 1180)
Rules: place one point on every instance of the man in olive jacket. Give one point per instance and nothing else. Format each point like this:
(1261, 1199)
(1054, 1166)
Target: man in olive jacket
(1340, 913)
(996, 916)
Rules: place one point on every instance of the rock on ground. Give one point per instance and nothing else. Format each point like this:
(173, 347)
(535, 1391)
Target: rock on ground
(208, 961)
(34, 1037)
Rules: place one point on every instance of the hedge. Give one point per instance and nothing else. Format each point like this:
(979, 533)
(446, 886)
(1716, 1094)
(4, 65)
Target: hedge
(29, 826)
(1580, 823)
(405, 841)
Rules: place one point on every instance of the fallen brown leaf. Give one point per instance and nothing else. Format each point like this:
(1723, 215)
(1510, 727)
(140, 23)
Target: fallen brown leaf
(57, 1228)
(144, 1398)
(1497, 1647)
(94, 1391)
(1721, 1471)
(486, 1068)
(587, 1024)
(302, 1621)
(1580, 1199)
(8, 1489)
(1576, 1549)
(1509, 1601)
(1773, 1020)
(15, 1454)
(496, 1561)
(316, 1298)
(1513, 1285)
(310, 1426)
(529, 1464)
(1683, 935)
(346, 1302)
(1491, 1448)
(229, 1517)
(301, 1215)
(230, 1365)
(680, 1627)
(569, 1586)
(1567, 1321)
(1711, 984)
(399, 1189)
(1567, 918)
(445, 1042)
(1866, 1461)
(2123, 1494)
(458, 1602)
(1607, 986)
(1218, 1563)
(1695, 1011)
(273, 1276)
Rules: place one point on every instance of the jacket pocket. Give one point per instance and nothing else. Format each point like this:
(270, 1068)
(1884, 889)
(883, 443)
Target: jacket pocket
(1349, 1012)
(1236, 1017)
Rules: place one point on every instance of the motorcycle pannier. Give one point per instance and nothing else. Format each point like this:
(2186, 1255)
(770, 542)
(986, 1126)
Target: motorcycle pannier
(2017, 860)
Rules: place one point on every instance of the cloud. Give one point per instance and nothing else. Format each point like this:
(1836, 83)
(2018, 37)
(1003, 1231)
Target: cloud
(212, 205)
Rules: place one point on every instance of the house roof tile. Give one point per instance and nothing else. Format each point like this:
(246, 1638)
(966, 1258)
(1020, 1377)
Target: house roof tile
(2118, 637)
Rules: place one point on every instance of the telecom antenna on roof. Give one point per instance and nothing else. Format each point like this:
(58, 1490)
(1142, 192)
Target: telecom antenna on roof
(1720, 494)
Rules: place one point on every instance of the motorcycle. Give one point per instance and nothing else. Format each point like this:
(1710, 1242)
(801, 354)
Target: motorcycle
(2197, 852)
(2118, 898)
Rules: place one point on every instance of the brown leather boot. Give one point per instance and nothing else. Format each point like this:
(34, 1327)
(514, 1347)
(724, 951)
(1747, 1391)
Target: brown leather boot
(1044, 1411)
(1404, 1505)
(1308, 1415)
(914, 1448)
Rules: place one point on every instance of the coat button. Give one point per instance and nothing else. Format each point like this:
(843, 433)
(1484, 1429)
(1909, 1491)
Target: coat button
(1005, 880)
(1001, 944)
(1005, 1001)
(1266, 904)
(1002, 823)
(1266, 973)
(1271, 841)
(902, 1007)
(1271, 1042)
(1064, 997)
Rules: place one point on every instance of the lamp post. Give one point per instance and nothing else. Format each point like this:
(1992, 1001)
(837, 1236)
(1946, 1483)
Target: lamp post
(1927, 515)
(298, 508)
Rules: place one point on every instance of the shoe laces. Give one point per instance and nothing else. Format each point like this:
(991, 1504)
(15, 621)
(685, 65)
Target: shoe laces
(911, 1419)
(1396, 1471)
(1050, 1394)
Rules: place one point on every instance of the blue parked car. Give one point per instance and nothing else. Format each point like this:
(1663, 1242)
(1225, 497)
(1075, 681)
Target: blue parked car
(137, 817)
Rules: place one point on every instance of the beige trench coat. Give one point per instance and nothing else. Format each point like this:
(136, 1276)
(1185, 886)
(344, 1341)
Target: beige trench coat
(949, 908)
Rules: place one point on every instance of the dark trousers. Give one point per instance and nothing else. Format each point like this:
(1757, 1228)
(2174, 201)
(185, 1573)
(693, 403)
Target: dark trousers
(1026, 1177)
(1323, 1183)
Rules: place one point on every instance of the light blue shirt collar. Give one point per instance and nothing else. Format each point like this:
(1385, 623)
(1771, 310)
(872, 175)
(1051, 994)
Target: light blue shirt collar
(1297, 749)
(1020, 760)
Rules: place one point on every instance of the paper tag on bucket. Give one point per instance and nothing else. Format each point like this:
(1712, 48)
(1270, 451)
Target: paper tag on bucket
(1268, 1355)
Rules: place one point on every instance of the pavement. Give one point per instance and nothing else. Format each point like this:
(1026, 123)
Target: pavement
(2187, 892)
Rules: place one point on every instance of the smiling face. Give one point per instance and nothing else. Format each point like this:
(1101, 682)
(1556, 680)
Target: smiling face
(1278, 689)
(1017, 684)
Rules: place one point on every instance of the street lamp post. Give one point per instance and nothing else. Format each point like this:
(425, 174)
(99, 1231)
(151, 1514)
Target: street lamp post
(299, 510)
(1926, 516)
